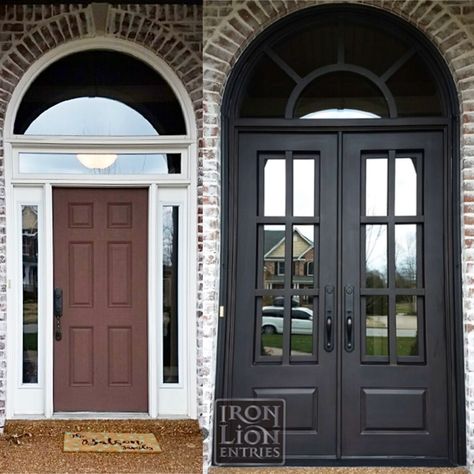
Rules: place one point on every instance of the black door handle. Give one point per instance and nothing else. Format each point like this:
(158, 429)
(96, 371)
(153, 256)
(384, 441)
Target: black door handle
(349, 318)
(58, 312)
(328, 316)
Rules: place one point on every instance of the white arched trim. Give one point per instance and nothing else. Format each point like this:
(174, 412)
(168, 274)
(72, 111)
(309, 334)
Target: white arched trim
(111, 44)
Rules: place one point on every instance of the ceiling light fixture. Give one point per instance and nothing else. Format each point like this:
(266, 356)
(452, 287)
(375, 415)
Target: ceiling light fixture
(97, 160)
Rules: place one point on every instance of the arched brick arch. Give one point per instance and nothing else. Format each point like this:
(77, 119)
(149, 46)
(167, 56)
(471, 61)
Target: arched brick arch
(229, 27)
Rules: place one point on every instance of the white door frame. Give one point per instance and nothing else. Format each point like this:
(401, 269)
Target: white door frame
(180, 190)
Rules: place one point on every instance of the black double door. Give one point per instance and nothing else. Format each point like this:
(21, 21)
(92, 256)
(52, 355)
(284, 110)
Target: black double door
(339, 303)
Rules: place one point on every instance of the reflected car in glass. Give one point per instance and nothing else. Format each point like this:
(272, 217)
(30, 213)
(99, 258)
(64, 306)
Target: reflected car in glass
(301, 320)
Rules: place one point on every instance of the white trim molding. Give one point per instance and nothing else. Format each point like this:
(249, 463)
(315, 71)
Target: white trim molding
(165, 399)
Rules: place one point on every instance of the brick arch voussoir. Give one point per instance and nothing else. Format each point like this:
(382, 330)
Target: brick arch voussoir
(164, 43)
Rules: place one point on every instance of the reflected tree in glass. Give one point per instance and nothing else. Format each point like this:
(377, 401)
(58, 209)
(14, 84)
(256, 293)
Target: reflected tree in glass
(30, 293)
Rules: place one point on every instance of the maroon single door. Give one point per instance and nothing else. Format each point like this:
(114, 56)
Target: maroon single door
(100, 265)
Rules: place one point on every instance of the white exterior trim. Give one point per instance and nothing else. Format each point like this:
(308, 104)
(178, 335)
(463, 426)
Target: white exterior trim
(178, 400)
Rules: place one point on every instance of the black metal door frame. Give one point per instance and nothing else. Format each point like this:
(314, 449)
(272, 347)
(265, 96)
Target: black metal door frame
(450, 127)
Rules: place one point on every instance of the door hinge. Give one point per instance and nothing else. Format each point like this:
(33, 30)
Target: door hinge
(221, 311)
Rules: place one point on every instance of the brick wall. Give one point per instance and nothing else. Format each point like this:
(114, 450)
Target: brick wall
(172, 32)
(229, 27)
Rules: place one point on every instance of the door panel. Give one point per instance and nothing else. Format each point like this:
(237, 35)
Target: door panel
(273, 252)
(100, 263)
(339, 290)
(393, 382)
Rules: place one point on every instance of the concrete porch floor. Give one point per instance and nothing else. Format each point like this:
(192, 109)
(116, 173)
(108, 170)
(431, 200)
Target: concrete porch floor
(180, 441)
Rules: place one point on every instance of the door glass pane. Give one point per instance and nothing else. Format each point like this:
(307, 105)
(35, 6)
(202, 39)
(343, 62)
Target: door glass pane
(29, 220)
(302, 329)
(303, 256)
(303, 187)
(274, 256)
(376, 325)
(274, 188)
(376, 256)
(170, 294)
(407, 326)
(405, 187)
(376, 180)
(405, 256)
(272, 326)
(100, 164)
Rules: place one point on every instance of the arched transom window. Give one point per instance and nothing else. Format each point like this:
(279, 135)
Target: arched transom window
(340, 66)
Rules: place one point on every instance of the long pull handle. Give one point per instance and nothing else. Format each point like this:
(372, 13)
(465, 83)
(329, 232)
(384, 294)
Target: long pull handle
(58, 312)
(328, 317)
(349, 318)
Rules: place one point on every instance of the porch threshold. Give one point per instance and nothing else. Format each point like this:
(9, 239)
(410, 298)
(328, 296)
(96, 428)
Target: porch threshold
(40, 448)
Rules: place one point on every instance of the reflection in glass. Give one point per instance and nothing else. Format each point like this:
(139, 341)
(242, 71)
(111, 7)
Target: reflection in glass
(407, 326)
(405, 256)
(301, 331)
(274, 256)
(95, 92)
(303, 187)
(91, 116)
(272, 326)
(69, 163)
(376, 325)
(170, 294)
(29, 226)
(376, 256)
(376, 187)
(274, 188)
(303, 256)
(405, 187)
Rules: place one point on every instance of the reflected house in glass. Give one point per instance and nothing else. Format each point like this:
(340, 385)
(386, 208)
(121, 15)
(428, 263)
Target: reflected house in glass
(274, 260)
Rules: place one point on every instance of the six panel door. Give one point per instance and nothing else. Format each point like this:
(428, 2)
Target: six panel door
(100, 265)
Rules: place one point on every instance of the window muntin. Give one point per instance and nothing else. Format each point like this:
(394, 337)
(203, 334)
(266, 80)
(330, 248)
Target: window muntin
(94, 75)
(341, 90)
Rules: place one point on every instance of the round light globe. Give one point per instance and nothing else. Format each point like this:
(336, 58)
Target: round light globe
(97, 160)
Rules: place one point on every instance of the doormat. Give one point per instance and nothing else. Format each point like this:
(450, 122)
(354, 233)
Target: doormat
(145, 443)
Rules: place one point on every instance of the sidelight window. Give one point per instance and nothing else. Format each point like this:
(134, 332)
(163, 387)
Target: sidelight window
(29, 229)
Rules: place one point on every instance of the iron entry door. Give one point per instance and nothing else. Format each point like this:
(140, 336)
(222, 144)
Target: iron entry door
(338, 297)
(100, 265)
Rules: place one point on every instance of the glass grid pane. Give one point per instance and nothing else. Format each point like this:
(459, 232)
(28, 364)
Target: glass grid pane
(274, 187)
(407, 326)
(376, 325)
(376, 190)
